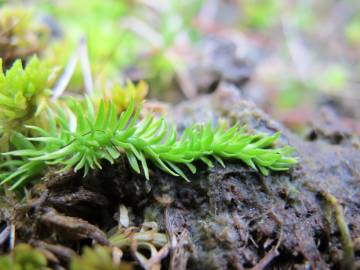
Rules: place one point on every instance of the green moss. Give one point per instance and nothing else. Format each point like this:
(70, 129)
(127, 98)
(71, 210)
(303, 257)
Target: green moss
(23, 257)
(22, 91)
(97, 258)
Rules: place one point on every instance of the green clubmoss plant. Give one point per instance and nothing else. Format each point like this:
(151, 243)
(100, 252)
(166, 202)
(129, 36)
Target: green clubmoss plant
(80, 138)
(20, 170)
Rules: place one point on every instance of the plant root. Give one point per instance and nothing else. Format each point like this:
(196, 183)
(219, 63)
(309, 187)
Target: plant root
(348, 245)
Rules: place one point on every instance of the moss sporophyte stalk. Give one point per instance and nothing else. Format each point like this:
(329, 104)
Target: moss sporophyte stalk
(80, 136)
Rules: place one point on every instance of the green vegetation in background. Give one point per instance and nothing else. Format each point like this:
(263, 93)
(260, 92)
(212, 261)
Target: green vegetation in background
(177, 18)
(168, 23)
(121, 96)
(295, 91)
(302, 15)
(334, 78)
(264, 14)
(292, 93)
(21, 35)
(260, 14)
(352, 30)
(112, 46)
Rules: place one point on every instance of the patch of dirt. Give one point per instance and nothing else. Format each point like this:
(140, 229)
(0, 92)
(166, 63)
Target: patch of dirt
(225, 218)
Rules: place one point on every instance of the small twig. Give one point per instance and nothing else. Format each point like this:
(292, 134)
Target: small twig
(4, 235)
(348, 246)
(85, 67)
(66, 77)
(81, 53)
(12, 236)
(41, 200)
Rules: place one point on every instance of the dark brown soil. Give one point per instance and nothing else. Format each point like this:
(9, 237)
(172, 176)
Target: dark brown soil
(225, 218)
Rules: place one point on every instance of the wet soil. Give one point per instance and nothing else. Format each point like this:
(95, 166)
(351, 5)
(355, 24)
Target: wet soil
(225, 218)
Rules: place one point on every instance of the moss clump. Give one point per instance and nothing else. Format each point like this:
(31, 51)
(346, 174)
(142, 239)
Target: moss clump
(24, 257)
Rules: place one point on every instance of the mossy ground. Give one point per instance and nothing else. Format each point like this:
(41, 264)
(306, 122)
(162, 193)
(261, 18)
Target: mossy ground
(223, 219)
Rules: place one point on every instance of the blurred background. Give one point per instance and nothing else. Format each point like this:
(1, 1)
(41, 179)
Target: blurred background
(298, 60)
